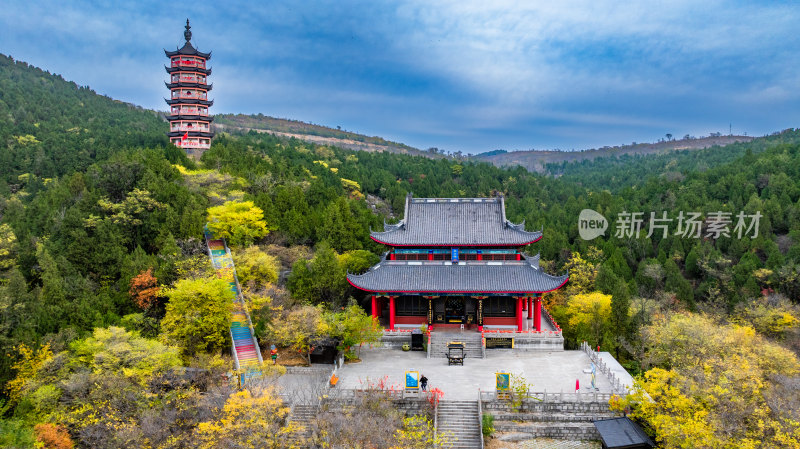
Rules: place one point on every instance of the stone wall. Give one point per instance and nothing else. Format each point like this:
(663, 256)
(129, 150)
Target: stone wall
(559, 420)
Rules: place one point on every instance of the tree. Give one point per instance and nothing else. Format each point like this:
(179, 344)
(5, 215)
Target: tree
(254, 420)
(322, 280)
(352, 326)
(300, 327)
(714, 385)
(256, 266)
(198, 315)
(240, 223)
(8, 243)
(144, 289)
(669, 136)
(589, 316)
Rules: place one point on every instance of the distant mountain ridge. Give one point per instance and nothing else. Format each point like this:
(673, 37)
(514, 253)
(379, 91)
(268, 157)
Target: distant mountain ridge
(318, 134)
(537, 160)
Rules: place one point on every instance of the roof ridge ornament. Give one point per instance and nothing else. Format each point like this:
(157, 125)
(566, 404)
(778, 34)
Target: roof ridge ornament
(188, 33)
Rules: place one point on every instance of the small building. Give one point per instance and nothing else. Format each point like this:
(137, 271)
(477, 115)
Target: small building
(189, 122)
(622, 433)
(457, 262)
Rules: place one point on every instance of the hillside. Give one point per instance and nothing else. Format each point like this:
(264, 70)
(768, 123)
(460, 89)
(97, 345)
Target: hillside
(51, 126)
(538, 161)
(317, 134)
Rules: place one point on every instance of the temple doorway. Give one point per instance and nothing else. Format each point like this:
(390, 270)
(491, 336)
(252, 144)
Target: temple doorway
(454, 310)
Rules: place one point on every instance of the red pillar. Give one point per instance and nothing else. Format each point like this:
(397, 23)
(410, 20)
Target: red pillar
(519, 313)
(391, 313)
(519, 257)
(374, 306)
(480, 255)
(391, 256)
(537, 313)
(530, 307)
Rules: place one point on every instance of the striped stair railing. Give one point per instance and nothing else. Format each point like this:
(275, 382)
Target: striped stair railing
(246, 353)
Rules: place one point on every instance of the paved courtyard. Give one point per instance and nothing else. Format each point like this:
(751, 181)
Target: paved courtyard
(554, 371)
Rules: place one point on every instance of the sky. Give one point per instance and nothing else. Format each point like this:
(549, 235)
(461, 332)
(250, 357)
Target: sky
(466, 75)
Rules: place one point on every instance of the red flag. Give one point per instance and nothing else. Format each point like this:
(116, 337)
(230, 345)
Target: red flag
(577, 385)
(185, 135)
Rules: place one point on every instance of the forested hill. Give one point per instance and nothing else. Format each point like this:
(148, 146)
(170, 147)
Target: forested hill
(318, 134)
(615, 172)
(51, 127)
(541, 160)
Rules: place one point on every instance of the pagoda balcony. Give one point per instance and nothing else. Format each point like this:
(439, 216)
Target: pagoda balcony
(198, 64)
(190, 145)
(190, 128)
(190, 97)
(188, 79)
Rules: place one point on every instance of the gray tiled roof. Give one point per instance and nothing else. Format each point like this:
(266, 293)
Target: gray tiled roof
(455, 222)
(467, 277)
(622, 433)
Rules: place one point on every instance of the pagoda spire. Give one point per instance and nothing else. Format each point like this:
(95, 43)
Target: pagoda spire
(188, 33)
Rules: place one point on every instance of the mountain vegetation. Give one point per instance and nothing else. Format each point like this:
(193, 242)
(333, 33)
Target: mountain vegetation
(102, 258)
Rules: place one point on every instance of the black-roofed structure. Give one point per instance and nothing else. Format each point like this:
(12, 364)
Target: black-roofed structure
(189, 121)
(457, 261)
(622, 433)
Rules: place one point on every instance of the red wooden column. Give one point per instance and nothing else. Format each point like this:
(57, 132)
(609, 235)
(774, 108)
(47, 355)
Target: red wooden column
(374, 307)
(537, 312)
(529, 300)
(391, 313)
(519, 313)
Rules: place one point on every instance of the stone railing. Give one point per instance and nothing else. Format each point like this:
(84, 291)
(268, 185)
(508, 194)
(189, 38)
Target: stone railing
(543, 397)
(616, 384)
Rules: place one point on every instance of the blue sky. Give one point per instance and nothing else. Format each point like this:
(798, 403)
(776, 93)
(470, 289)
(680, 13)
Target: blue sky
(459, 75)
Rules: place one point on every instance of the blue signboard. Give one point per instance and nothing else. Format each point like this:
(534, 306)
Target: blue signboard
(412, 380)
(454, 254)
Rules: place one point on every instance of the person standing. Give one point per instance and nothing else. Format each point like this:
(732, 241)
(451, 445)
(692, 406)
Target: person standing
(423, 382)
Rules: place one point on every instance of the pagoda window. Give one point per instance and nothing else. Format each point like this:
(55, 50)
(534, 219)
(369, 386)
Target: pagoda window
(499, 306)
(411, 306)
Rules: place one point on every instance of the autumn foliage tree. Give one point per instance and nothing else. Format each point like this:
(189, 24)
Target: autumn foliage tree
(239, 222)
(716, 386)
(53, 436)
(198, 314)
(144, 289)
(251, 420)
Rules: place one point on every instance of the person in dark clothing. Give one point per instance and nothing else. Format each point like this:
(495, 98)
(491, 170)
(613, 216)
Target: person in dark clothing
(423, 381)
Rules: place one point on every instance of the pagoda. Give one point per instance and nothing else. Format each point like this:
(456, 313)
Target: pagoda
(189, 122)
(457, 262)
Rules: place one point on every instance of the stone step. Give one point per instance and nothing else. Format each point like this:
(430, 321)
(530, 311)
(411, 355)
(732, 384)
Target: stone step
(459, 419)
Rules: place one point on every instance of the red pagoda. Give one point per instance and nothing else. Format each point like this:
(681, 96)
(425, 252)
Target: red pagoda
(457, 262)
(189, 122)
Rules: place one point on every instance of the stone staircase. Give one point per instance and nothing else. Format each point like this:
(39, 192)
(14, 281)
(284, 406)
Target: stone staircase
(459, 419)
(471, 340)
(303, 414)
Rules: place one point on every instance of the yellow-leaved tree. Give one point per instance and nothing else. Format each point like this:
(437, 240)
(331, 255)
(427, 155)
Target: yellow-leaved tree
(239, 222)
(716, 386)
(251, 420)
(589, 318)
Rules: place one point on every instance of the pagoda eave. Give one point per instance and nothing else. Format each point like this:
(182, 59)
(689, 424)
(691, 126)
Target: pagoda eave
(187, 69)
(400, 243)
(189, 101)
(504, 278)
(201, 118)
(187, 50)
(205, 87)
